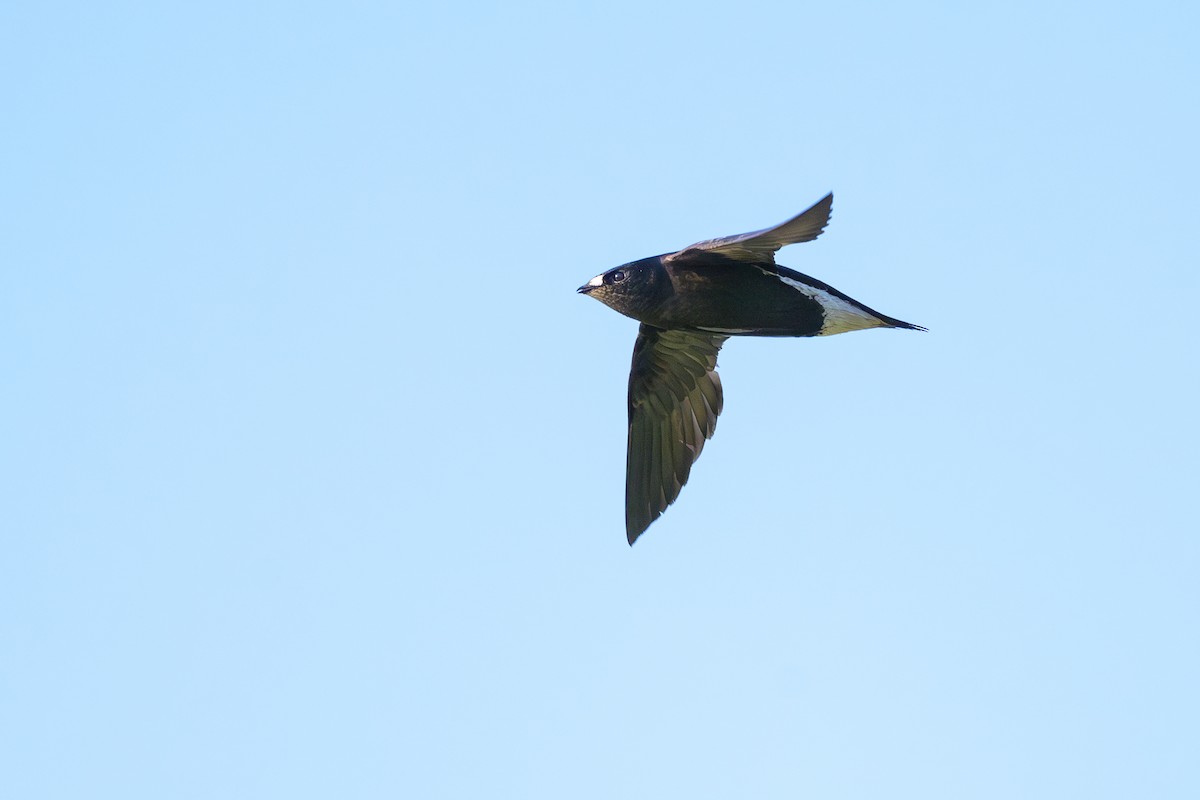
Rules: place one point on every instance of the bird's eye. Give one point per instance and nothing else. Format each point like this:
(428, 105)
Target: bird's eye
(617, 275)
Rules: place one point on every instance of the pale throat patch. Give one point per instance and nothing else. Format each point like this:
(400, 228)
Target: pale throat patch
(840, 316)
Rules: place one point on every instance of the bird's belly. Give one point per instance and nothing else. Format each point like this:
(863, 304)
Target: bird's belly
(772, 309)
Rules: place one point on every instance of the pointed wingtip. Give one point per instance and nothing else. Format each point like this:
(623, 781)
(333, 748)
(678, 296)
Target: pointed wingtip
(637, 524)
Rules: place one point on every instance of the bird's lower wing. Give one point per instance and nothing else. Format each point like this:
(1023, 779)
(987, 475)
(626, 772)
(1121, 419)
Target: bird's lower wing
(674, 399)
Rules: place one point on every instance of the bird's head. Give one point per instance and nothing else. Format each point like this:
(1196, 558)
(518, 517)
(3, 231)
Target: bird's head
(634, 289)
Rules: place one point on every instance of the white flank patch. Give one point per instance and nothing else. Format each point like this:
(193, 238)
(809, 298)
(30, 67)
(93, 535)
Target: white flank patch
(840, 316)
(597, 281)
(726, 330)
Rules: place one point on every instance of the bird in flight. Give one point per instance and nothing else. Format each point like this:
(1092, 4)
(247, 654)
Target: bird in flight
(688, 303)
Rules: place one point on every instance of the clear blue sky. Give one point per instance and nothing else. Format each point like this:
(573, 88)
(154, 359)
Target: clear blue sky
(312, 468)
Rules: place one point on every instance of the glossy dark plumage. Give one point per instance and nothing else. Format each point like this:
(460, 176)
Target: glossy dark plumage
(689, 302)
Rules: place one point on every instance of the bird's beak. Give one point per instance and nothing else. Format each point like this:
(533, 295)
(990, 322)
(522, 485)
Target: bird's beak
(587, 287)
(594, 283)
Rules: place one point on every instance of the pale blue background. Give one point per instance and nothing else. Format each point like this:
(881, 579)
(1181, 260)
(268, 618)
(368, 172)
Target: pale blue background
(312, 461)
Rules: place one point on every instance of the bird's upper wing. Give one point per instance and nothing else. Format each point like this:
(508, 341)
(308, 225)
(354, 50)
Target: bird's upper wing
(761, 245)
(674, 400)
